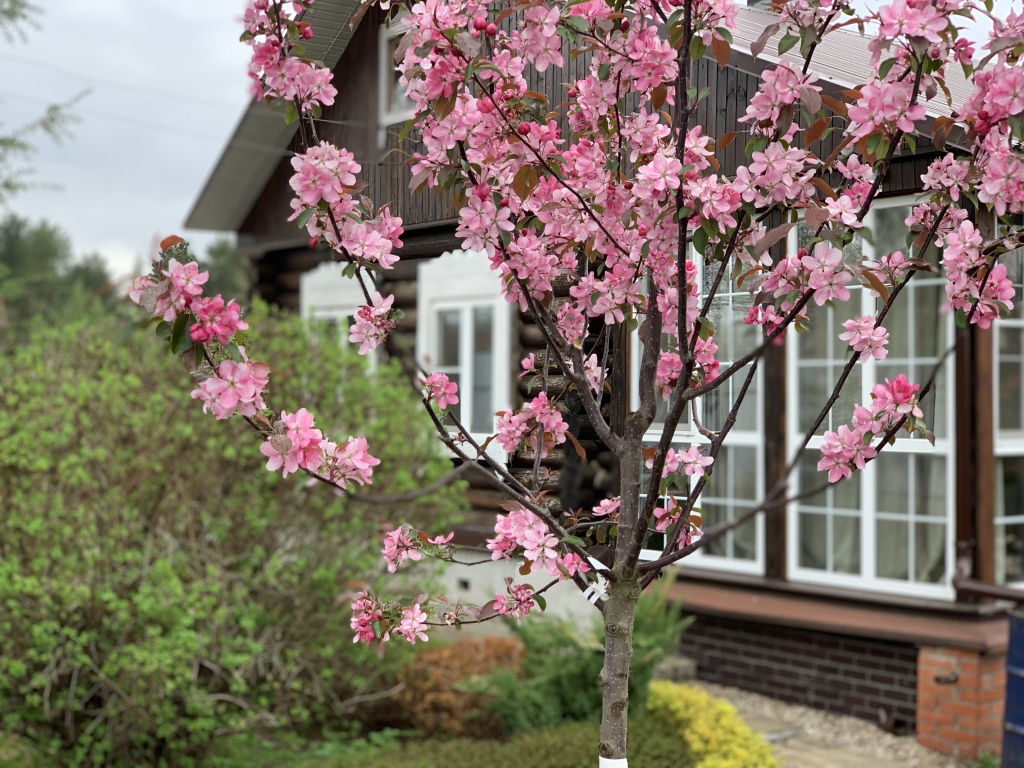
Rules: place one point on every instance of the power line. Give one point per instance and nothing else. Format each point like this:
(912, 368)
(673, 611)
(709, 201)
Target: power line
(116, 84)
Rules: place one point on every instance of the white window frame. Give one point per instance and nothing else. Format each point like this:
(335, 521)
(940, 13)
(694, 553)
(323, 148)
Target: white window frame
(1008, 443)
(386, 69)
(944, 447)
(463, 280)
(326, 294)
(686, 435)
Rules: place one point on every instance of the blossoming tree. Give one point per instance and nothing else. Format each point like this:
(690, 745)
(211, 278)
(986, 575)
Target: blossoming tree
(598, 214)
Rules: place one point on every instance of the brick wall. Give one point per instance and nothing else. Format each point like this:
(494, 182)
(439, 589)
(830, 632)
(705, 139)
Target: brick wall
(871, 679)
(960, 701)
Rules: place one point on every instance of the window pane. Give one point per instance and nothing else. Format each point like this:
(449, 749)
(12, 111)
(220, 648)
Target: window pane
(846, 544)
(813, 540)
(893, 482)
(448, 352)
(483, 358)
(930, 552)
(744, 545)
(930, 486)
(455, 411)
(891, 549)
(1010, 553)
(1010, 382)
(1010, 486)
(713, 515)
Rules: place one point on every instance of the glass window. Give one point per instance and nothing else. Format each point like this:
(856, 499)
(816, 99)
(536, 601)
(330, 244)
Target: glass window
(1009, 430)
(889, 526)
(465, 333)
(736, 481)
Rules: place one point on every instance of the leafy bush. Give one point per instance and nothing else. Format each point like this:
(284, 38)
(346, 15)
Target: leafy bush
(714, 734)
(157, 585)
(571, 745)
(559, 678)
(436, 698)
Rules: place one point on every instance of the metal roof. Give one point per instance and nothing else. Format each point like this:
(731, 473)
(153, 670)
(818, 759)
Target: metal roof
(842, 58)
(261, 137)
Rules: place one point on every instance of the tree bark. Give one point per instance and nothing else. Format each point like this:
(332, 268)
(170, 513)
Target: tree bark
(623, 593)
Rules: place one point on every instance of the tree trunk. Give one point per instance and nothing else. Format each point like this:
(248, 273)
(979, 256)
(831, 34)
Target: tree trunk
(620, 608)
(618, 650)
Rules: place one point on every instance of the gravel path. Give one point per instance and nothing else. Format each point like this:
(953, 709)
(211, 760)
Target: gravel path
(805, 737)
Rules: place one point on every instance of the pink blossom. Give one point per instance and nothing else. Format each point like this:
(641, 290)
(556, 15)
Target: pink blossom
(441, 390)
(866, 338)
(217, 321)
(400, 546)
(413, 625)
(295, 444)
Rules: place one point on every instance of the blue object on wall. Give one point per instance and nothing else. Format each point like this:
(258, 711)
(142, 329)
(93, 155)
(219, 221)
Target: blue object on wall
(1013, 725)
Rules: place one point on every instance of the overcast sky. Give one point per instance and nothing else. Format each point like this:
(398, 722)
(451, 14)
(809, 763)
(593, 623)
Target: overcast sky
(167, 86)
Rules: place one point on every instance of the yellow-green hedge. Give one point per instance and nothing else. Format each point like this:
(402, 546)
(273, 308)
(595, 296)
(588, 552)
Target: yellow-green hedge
(714, 733)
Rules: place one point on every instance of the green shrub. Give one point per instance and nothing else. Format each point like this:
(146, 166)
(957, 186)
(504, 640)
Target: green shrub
(571, 745)
(715, 735)
(159, 586)
(560, 669)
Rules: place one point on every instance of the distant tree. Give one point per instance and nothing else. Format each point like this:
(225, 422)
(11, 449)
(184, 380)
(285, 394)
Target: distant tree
(15, 144)
(40, 281)
(229, 271)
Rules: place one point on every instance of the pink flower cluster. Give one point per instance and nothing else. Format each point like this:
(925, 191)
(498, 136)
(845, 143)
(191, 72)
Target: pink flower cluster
(297, 444)
(373, 620)
(519, 602)
(865, 337)
(325, 185)
(849, 447)
(540, 422)
(373, 323)
(667, 516)
(522, 530)
(441, 390)
(276, 72)
(405, 543)
(170, 297)
(217, 321)
(235, 387)
(970, 279)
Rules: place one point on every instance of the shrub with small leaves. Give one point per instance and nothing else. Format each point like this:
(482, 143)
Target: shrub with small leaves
(156, 586)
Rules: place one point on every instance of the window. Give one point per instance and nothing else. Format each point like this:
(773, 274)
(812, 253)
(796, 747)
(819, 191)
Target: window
(737, 480)
(326, 294)
(463, 329)
(393, 105)
(889, 527)
(1009, 430)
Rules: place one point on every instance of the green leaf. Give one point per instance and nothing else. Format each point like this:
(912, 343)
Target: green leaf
(291, 113)
(961, 319)
(787, 42)
(181, 342)
(233, 352)
(603, 71)
(884, 69)
(541, 602)
(303, 218)
(697, 48)
(163, 330)
(569, 539)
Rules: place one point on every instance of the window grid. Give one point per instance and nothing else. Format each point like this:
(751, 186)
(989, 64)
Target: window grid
(841, 536)
(719, 500)
(1008, 415)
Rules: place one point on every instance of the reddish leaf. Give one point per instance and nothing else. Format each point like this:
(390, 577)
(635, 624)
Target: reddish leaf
(658, 96)
(835, 105)
(825, 187)
(811, 99)
(772, 236)
(726, 140)
(722, 51)
(170, 242)
(876, 285)
(815, 217)
(758, 45)
(814, 132)
(525, 568)
(576, 444)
